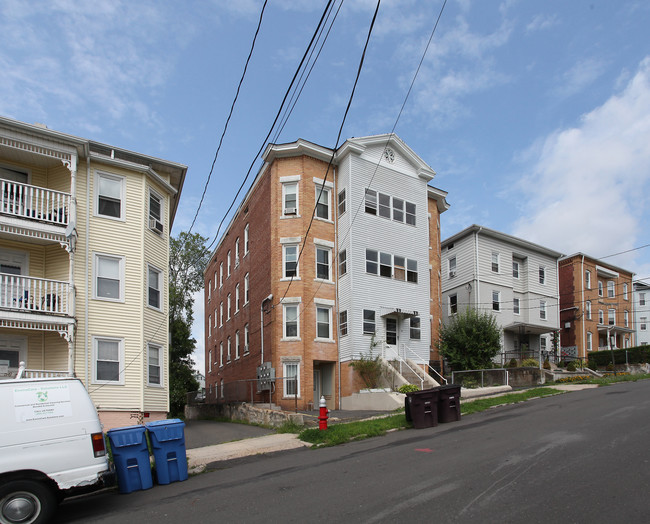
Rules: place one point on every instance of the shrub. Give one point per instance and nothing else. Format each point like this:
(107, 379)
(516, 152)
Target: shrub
(547, 364)
(370, 370)
(571, 366)
(610, 367)
(530, 363)
(512, 363)
(469, 382)
(408, 388)
(592, 365)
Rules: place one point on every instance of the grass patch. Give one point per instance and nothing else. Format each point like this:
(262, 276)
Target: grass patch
(289, 427)
(342, 433)
(610, 378)
(481, 404)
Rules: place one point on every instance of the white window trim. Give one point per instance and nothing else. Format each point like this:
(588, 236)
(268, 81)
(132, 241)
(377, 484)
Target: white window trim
(498, 301)
(247, 239)
(151, 267)
(246, 288)
(516, 311)
(285, 183)
(284, 262)
(161, 354)
(121, 259)
(220, 274)
(498, 262)
(237, 298)
(297, 362)
(449, 311)
(543, 310)
(292, 302)
(329, 279)
(237, 346)
(122, 180)
(162, 209)
(120, 341)
(327, 190)
(329, 313)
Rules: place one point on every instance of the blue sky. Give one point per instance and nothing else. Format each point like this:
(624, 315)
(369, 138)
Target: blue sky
(534, 114)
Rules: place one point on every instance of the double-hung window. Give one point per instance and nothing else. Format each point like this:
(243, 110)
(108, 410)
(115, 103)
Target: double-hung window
(601, 316)
(515, 306)
(246, 339)
(246, 239)
(324, 322)
(610, 289)
(342, 202)
(587, 279)
(322, 202)
(372, 261)
(452, 267)
(611, 317)
(542, 275)
(369, 322)
(229, 264)
(290, 262)
(229, 350)
(600, 288)
(398, 209)
(237, 298)
(229, 308)
(110, 195)
(323, 266)
(109, 359)
(515, 269)
(246, 289)
(371, 201)
(414, 328)
(588, 309)
(625, 291)
(384, 205)
(399, 267)
(496, 300)
(154, 377)
(290, 199)
(154, 279)
(411, 270)
(385, 265)
(643, 322)
(589, 341)
(237, 345)
(221, 274)
(290, 319)
(410, 213)
(453, 304)
(641, 299)
(109, 277)
(495, 262)
(343, 262)
(237, 252)
(156, 212)
(291, 372)
(542, 309)
(343, 323)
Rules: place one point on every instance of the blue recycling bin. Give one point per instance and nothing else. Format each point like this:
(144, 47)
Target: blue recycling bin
(168, 443)
(131, 458)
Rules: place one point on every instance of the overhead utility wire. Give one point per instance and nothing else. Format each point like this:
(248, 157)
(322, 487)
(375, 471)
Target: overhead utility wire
(232, 108)
(338, 138)
(277, 116)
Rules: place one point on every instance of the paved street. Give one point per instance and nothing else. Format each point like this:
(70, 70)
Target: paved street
(578, 457)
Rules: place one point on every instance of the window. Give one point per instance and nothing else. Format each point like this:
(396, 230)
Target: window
(291, 378)
(343, 323)
(496, 299)
(221, 314)
(384, 205)
(323, 268)
(209, 361)
(291, 327)
(237, 252)
(589, 341)
(246, 340)
(229, 309)
(411, 270)
(641, 299)
(626, 318)
(209, 289)
(398, 209)
(155, 358)
(290, 196)
(155, 211)
(453, 304)
(109, 354)
(399, 267)
(237, 298)
(410, 213)
(229, 265)
(414, 328)
(625, 290)
(216, 318)
(601, 316)
(221, 274)
(372, 261)
(385, 265)
(154, 284)
(368, 322)
(322, 203)
(542, 309)
(246, 239)
(515, 269)
(323, 322)
(611, 317)
(371, 201)
(643, 322)
(341, 202)
(343, 262)
(610, 289)
(228, 352)
(221, 354)
(237, 345)
(216, 282)
(452, 267)
(600, 288)
(209, 325)
(495, 262)
(109, 277)
(246, 289)
(542, 344)
(515, 306)
(542, 275)
(588, 309)
(110, 196)
(588, 279)
(290, 262)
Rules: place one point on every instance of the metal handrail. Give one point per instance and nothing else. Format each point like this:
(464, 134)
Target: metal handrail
(442, 380)
(402, 362)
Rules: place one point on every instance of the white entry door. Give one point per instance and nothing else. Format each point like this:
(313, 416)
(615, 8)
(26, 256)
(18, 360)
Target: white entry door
(391, 331)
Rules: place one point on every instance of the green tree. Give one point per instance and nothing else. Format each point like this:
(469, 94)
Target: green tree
(471, 340)
(188, 260)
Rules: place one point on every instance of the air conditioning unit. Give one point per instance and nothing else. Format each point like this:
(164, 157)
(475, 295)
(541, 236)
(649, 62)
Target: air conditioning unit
(290, 211)
(452, 273)
(156, 225)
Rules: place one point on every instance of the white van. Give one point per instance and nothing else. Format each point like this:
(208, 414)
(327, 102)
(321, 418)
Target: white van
(51, 447)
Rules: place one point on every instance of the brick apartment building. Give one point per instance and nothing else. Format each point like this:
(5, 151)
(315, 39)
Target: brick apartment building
(596, 306)
(329, 255)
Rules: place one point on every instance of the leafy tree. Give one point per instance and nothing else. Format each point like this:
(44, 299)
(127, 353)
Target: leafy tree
(188, 259)
(471, 340)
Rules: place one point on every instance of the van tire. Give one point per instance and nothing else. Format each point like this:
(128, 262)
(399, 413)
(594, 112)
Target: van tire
(26, 502)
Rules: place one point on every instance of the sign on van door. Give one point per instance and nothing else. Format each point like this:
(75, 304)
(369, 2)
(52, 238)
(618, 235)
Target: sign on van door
(42, 402)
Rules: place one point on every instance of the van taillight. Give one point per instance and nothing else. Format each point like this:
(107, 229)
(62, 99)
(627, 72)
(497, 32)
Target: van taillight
(99, 448)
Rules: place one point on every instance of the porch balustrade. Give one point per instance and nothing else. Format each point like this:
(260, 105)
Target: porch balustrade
(34, 294)
(34, 203)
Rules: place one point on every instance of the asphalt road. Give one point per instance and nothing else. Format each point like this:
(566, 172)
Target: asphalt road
(578, 457)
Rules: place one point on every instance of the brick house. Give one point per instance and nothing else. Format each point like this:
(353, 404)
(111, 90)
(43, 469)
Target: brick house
(330, 253)
(596, 306)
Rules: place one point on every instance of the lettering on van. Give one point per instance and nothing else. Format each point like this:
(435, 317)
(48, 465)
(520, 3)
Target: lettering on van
(42, 402)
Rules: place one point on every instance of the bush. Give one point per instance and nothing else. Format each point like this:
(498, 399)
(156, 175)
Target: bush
(469, 382)
(635, 355)
(592, 365)
(571, 366)
(530, 363)
(370, 370)
(610, 367)
(547, 364)
(512, 363)
(408, 388)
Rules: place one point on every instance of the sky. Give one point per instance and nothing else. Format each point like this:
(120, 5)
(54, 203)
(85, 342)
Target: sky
(535, 115)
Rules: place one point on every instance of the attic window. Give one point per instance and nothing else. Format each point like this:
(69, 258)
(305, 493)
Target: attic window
(450, 246)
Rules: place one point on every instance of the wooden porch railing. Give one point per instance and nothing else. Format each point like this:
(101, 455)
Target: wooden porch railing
(34, 203)
(34, 294)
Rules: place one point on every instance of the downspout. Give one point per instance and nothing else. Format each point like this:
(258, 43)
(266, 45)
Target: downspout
(88, 276)
(270, 297)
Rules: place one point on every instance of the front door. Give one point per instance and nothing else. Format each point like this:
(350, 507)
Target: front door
(391, 336)
(317, 388)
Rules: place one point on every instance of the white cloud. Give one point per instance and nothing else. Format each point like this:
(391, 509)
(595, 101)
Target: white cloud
(580, 76)
(541, 22)
(586, 187)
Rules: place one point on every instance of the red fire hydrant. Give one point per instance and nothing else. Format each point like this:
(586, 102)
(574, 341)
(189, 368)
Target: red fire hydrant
(322, 417)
